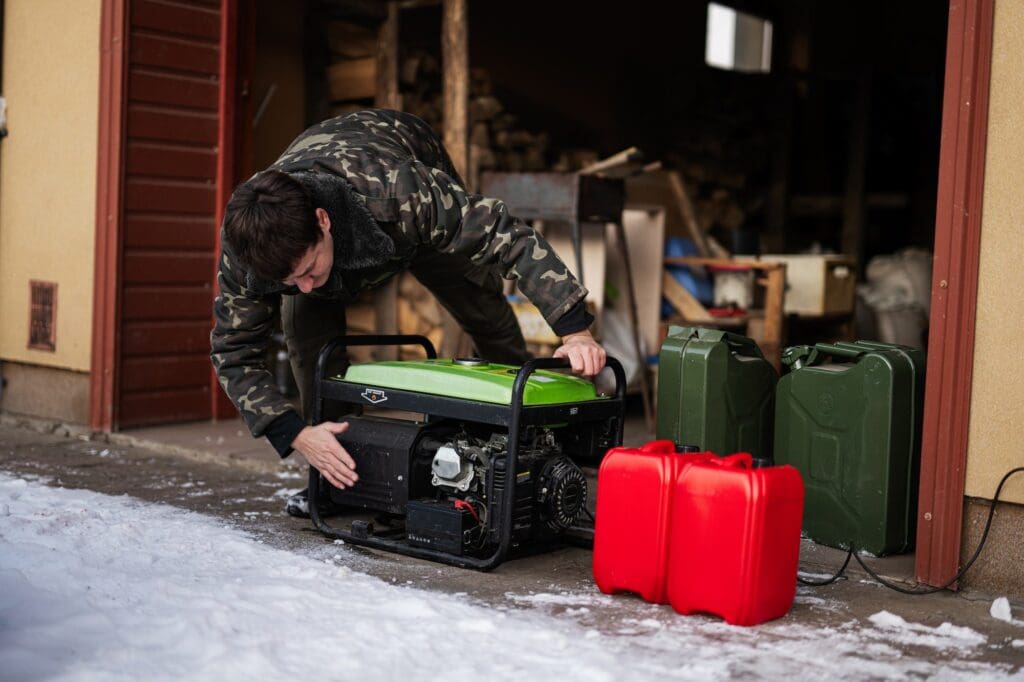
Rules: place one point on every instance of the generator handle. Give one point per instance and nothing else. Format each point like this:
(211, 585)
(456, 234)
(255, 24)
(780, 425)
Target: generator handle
(337, 342)
(515, 420)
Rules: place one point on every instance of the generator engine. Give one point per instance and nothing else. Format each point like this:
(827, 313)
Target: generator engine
(550, 490)
(449, 483)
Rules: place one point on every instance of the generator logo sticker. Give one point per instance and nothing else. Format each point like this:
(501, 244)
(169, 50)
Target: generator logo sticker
(374, 396)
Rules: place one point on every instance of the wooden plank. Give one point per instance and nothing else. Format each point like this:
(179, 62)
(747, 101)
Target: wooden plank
(168, 125)
(165, 338)
(177, 54)
(170, 161)
(176, 18)
(723, 262)
(683, 301)
(176, 405)
(160, 267)
(352, 79)
(774, 295)
(682, 199)
(173, 90)
(154, 374)
(951, 340)
(171, 196)
(645, 231)
(166, 303)
(623, 158)
(161, 231)
(386, 298)
(455, 63)
(455, 83)
(103, 386)
(387, 96)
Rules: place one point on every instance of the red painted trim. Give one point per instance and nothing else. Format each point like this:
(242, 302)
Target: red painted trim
(954, 289)
(221, 406)
(109, 178)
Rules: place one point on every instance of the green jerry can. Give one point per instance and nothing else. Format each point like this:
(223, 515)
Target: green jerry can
(715, 391)
(848, 416)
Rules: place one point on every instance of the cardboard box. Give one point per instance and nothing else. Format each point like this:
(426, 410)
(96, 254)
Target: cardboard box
(818, 285)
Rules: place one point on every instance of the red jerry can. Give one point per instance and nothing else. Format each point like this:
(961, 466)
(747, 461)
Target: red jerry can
(634, 501)
(735, 539)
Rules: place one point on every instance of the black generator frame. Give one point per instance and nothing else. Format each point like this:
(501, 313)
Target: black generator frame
(513, 417)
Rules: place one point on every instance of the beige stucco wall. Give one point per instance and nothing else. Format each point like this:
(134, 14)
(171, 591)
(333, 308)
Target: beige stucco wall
(997, 397)
(48, 172)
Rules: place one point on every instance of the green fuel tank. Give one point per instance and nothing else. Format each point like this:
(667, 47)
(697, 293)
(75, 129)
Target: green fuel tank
(848, 416)
(716, 390)
(470, 379)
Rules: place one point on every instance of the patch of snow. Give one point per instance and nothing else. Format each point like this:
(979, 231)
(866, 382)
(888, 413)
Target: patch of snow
(563, 599)
(288, 475)
(1019, 643)
(285, 493)
(945, 636)
(1000, 610)
(100, 587)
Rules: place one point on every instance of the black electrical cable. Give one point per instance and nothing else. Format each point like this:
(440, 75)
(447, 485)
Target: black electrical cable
(828, 581)
(929, 590)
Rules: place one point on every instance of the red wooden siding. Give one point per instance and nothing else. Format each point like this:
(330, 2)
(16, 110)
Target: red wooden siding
(169, 202)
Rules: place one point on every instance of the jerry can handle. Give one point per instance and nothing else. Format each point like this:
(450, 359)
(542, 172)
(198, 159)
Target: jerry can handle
(839, 350)
(736, 342)
(659, 447)
(739, 460)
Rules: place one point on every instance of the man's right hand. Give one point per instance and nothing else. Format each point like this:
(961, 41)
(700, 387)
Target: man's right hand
(319, 445)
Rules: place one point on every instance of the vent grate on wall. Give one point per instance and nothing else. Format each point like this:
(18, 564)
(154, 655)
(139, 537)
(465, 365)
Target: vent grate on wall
(42, 325)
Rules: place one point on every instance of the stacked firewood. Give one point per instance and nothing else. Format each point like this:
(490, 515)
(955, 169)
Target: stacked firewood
(352, 71)
(418, 313)
(497, 140)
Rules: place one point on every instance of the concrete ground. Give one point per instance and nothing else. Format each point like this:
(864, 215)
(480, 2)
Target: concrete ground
(218, 470)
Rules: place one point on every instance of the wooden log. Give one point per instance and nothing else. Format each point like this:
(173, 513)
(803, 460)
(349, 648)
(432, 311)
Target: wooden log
(351, 41)
(352, 79)
(484, 108)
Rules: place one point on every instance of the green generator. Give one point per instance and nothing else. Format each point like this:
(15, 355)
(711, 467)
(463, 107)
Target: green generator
(716, 391)
(466, 461)
(848, 416)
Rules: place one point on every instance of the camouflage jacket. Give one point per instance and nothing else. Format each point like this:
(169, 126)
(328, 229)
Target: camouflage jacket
(401, 172)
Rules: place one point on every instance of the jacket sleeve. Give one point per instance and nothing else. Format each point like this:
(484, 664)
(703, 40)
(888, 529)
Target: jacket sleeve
(243, 325)
(434, 209)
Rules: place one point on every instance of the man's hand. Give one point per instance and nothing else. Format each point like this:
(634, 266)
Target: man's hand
(319, 445)
(586, 355)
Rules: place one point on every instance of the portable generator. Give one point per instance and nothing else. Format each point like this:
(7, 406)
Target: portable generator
(491, 469)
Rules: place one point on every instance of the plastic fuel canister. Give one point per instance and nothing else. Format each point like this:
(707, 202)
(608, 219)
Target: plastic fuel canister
(634, 500)
(735, 540)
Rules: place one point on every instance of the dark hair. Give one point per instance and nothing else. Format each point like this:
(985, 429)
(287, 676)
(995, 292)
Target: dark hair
(270, 223)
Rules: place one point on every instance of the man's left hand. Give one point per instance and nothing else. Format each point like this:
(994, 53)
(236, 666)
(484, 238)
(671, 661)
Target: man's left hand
(586, 355)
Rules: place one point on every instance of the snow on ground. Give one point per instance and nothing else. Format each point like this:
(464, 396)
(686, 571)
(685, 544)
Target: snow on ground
(100, 587)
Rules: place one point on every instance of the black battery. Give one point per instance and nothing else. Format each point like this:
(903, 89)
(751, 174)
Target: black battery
(436, 525)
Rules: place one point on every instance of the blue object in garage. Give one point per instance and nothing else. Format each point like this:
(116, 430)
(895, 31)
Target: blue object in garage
(701, 286)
